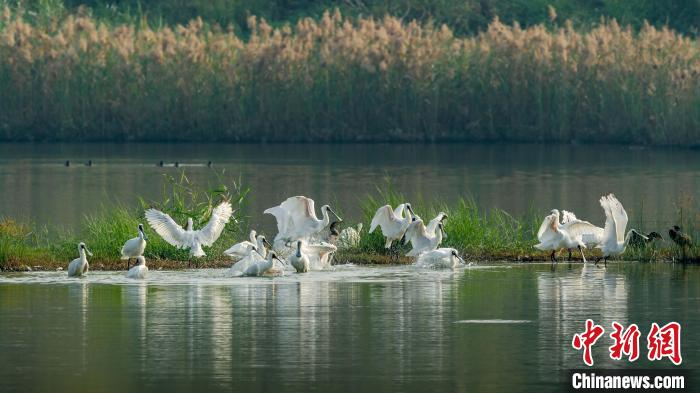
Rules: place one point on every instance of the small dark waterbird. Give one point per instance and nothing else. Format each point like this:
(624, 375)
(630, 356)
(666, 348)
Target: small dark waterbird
(681, 239)
(637, 240)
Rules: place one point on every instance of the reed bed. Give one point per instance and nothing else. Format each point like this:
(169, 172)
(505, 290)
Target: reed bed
(342, 79)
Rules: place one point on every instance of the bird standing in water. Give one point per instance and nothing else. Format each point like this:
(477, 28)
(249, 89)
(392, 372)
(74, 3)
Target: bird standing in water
(681, 239)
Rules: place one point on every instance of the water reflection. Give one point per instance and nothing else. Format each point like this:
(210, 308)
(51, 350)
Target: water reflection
(373, 329)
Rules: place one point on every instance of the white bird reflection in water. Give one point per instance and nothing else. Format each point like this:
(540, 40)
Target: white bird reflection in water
(566, 299)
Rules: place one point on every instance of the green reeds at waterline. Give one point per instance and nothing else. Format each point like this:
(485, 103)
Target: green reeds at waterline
(340, 79)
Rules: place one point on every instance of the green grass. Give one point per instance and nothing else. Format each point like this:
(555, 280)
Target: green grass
(493, 235)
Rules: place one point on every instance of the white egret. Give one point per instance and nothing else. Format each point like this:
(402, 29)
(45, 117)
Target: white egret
(140, 270)
(296, 219)
(79, 266)
(134, 247)
(614, 241)
(299, 260)
(262, 267)
(188, 238)
(440, 258)
(240, 250)
(553, 236)
(350, 237)
(421, 240)
(392, 222)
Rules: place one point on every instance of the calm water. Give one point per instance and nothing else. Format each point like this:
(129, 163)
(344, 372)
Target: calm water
(36, 186)
(483, 328)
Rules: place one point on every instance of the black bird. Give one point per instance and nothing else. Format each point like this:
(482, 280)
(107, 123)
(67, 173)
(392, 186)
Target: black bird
(681, 239)
(638, 240)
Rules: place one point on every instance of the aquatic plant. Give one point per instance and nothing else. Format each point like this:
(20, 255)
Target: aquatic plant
(346, 79)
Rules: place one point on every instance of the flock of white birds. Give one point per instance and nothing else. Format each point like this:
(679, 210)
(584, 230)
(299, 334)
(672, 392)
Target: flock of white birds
(304, 242)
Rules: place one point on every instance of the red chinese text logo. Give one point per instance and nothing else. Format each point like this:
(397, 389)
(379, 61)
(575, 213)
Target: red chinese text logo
(665, 342)
(586, 340)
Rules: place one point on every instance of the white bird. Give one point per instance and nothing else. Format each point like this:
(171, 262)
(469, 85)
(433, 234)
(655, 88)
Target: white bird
(441, 258)
(79, 266)
(433, 224)
(134, 247)
(553, 236)
(589, 234)
(614, 241)
(140, 270)
(350, 237)
(319, 254)
(392, 222)
(262, 267)
(421, 240)
(240, 250)
(252, 257)
(296, 219)
(299, 260)
(188, 238)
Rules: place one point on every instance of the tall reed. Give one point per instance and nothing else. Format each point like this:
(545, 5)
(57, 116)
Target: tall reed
(340, 79)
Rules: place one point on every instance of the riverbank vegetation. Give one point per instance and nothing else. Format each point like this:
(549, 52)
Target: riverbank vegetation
(78, 76)
(493, 235)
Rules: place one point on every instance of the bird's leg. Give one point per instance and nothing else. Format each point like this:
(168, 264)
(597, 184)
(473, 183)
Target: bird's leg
(553, 257)
(597, 259)
(582, 256)
(128, 263)
(605, 260)
(570, 253)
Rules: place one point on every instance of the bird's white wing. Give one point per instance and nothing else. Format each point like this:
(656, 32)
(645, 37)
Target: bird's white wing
(239, 249)
(545, 226)
(584, 230)
(383, 217)
(567, 217)
(218, 220)
(432, 225)
(609, 231)
(166, 227)
(620, 216)
(416, 227)
(548, 229)
(300, 210)
(282, 217)
(253, 237)
(398, 212)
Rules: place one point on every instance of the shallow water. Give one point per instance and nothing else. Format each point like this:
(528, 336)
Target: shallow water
(649, 182)
(493, 328)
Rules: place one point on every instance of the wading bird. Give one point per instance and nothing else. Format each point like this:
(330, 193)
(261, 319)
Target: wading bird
(421, 240)
(441, 258)
(134, 247)
(263, 267)
(240, 250)
(140, 270)
(79, 266)
(296, 220)
(681, 239)
(188, 238)
(320, 255)
(638, 240)
(552, 236)
(299, 260)
(392, 222)
(614, 241)
(589, 234)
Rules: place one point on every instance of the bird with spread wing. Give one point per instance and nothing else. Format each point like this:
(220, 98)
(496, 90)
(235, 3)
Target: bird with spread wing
(188, 238)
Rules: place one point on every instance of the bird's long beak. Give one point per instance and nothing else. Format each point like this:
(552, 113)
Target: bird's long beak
(336, 215)
(265, 242)
(280, 261)
(145, 237)
(88, 251)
